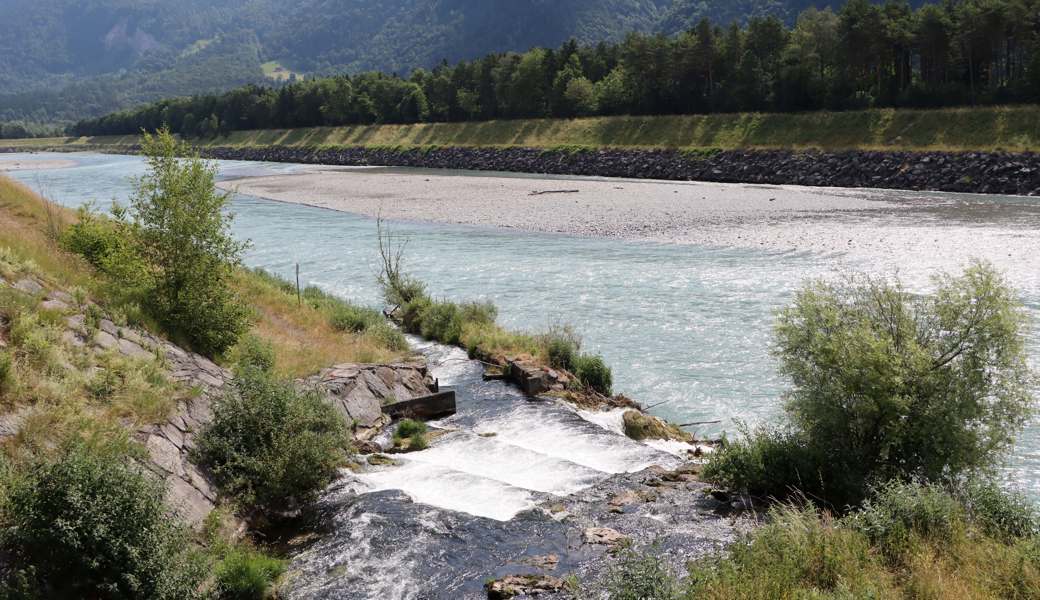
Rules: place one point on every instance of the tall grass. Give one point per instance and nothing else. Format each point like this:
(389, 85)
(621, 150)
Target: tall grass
(1012, 128)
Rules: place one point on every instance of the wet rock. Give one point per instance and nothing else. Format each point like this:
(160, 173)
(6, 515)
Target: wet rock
(359, 391)
(523, 585)
(641, 426)
(625, 498)
(367, 447)
(382, 460)
(605, 536)
(547, 562)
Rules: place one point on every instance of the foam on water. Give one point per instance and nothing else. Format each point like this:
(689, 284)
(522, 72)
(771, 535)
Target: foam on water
(490, 458)
(447, 488)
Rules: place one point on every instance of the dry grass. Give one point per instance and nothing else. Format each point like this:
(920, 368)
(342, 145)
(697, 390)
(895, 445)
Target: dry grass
(29, 226)
(1012, 128)
(303, 339)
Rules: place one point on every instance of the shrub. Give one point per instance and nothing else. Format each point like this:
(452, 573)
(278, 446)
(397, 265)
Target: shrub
(253, 353)
(641, 577)
(562, 352)
(897, 514)
(388, 336)
(246, 574)
(408, 427)
(413, 312)
(797, 554)
(110, 246)
(772, 464)
(184, 236)
(1001, 514)
(592, 372)
(442, 321)
(891, 385)
(88, 524)
(478, 313)
(271, 447)
(354, 319)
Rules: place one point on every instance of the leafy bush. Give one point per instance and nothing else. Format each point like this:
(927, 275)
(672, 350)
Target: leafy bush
(254, 354)
(388, 336)
(591, 371)
(354, 319)
(269, 446)
(408, 427)
(898, 513)
(562, 352)
(413, 312)
(442, 321)
(891, 385)
(641, 577)
(184, 236)
(774, 464)
(245, 574)
(478, 313)
(110, 246)
(88, 524)
(895, 384)
(1001, 514)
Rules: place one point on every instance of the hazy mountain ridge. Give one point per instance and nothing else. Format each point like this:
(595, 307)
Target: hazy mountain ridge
(119, 52)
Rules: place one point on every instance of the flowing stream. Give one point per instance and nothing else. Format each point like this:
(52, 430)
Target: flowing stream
(685, 327)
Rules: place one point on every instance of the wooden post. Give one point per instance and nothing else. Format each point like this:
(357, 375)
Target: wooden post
(299, 297)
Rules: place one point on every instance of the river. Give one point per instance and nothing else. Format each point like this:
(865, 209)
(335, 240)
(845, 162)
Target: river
(685, 327)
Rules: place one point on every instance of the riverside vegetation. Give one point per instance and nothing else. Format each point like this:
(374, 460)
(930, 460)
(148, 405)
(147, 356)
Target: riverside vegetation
(79, 516)
(883, 483)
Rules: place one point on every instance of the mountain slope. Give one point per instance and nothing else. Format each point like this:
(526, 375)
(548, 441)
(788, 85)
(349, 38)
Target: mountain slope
(66, 59)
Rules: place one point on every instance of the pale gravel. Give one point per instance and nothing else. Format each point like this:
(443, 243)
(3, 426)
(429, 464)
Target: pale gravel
(15, 164)
(876, 226)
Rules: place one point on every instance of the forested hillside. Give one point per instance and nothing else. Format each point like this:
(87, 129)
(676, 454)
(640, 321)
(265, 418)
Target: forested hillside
(864, 56)
(68, 59)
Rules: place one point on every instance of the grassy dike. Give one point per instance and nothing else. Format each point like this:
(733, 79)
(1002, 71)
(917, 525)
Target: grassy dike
(1012, 129)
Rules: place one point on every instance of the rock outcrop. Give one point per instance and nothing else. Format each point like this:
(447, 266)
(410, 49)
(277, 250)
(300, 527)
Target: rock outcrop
(360, 391)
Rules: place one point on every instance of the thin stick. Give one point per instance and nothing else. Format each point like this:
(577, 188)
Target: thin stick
(299, 297)
(700, 423)
(658, 404)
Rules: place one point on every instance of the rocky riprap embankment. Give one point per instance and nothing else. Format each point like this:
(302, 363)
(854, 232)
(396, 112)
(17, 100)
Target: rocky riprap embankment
(977, 172)
(983, 172)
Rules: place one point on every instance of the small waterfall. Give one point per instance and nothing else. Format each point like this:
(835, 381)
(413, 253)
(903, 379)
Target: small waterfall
(443, 519)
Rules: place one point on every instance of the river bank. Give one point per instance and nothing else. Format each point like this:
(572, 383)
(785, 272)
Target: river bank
(973, 172)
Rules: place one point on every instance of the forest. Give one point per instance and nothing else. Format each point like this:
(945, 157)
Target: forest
(864, 55)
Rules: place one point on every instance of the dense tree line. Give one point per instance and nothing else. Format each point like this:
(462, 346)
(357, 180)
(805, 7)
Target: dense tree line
(865, 55)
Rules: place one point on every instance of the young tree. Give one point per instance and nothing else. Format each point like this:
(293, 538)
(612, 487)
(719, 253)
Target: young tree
(184, 233)
(895, 384)
(889, 385)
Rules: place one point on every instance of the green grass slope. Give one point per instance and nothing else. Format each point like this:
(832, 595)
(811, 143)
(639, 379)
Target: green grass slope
(1015, 129)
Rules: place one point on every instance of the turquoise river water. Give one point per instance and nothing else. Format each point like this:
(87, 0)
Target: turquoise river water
(684, 326)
